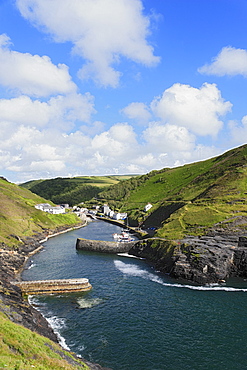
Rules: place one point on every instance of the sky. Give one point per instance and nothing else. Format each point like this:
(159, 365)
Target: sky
(107, 87)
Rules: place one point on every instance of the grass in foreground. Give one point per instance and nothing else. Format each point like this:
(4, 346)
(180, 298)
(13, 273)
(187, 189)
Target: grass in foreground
(21, 349)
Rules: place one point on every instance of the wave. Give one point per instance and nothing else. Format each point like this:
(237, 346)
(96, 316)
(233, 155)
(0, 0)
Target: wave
(33, 300)
(57, 323)
(130, 256)
(89, 302)
(133, 270)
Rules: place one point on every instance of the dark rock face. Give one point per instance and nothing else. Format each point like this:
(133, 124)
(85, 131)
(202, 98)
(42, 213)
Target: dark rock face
(240, 263)
(203, 263)
(12, 303)
(203, 260)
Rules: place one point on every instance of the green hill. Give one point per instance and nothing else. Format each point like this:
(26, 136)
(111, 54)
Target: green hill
(187, 199)
(72, 190)
(21, 348)
(20, 219)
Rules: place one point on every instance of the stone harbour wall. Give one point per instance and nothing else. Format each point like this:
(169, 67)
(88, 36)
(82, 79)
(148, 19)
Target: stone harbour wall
(54, 286)
(104, 246)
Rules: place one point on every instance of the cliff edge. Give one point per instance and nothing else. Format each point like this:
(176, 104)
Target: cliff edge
(17, 309)
(212, 258)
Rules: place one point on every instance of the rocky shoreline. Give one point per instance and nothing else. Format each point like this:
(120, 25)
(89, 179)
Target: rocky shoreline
(12, 304)
(213, 258)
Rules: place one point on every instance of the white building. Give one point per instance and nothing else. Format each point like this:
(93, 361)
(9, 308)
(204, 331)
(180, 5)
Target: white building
(41, 206)
(147, 207)
(119, 216)
(46, 207)
(106, 210)
(111, 214)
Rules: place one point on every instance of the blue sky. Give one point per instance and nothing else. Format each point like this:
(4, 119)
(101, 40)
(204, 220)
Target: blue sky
(106, 87)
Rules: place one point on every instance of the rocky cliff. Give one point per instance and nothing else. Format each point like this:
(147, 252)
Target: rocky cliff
(203, 260)
(12, 303)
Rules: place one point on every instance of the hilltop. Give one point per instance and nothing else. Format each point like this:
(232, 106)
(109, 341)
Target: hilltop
(72, 190)
(186, 200)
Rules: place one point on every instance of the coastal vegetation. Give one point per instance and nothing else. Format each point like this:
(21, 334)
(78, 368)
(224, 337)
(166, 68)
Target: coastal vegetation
(19, 219)
(186, 200)
(21, 348)
(72, 190)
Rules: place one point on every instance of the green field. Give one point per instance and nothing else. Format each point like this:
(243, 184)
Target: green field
(72, 190)
(20, 219)
(187, 199)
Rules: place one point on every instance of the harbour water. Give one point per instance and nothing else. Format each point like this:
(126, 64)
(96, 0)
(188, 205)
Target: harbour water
(135, 318)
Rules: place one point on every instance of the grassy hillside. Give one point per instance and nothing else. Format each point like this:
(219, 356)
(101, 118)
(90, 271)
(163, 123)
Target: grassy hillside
(19, 218)
(72, 190)
(188, 199)
(21, 348)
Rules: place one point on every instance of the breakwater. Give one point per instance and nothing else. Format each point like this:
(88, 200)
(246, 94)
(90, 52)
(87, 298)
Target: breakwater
(104, 246)
(54, 286)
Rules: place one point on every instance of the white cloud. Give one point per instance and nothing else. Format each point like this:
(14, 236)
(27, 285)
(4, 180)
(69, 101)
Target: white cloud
(230, 61)
(195, 109)
(23, 110)
(29, 152)
(168, 138)
(238, 131)
(118, 142)
(32, 74)
(101, 32)
(137, 111)
(62, 111)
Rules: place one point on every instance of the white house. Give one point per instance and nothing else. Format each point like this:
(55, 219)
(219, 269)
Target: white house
(41, 206)
(106, 210)
(119, 216)
(56, 210)
(46, 207)
(147, 207)
(111, 214)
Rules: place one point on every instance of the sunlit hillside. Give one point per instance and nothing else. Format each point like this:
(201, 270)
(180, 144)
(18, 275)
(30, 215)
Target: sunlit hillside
(72, 190)
(20, 219)
(187, 199)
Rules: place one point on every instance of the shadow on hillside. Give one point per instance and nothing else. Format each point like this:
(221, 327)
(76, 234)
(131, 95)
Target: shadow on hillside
(155, 220)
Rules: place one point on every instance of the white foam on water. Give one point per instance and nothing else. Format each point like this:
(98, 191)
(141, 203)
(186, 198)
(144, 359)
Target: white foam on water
(57, 323)
(81, 349)
(129, 255)
(133, 270)
(34, 301)
(88, 302)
